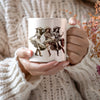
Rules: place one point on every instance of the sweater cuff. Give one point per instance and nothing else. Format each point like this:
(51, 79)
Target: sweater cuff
(86, 76)
(31, 80)
(12, 81)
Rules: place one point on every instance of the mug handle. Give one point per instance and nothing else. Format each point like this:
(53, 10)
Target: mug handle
(68, 27)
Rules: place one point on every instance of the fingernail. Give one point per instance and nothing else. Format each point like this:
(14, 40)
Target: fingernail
(65, 64)
(29, 53)
(72, 21)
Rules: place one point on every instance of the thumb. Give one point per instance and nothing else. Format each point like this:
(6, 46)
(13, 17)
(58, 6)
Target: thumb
(24, 53)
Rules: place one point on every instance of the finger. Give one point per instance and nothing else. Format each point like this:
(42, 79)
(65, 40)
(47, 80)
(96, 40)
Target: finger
(36, 73)
(76, 49)
(47, 66)
(58, 67)
(30, 66)
(74, 31)
(24, 53)
(74, 58)
(77, 41)
(41, 70)
(63, 64)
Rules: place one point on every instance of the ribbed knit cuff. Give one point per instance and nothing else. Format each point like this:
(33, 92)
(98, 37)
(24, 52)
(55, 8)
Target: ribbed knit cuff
(86, 76)
(12, 81)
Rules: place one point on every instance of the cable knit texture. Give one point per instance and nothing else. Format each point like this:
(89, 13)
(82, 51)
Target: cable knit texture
(80, 82)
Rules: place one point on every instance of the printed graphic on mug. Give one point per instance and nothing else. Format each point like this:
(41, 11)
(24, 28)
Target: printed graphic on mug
(47, 39)
(53, 40)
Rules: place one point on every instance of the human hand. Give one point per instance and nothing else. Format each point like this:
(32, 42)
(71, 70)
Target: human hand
(77, 43)
(36, 69)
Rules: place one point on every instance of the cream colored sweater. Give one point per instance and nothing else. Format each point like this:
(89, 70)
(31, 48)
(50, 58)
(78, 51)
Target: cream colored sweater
(80, 82)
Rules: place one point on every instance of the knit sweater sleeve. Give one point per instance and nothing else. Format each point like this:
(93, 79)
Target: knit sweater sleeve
(13, 85)
(86, 77)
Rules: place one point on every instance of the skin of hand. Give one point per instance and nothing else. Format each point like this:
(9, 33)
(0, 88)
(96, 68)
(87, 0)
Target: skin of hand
(77, 43)
(37, 69)
(77, 47)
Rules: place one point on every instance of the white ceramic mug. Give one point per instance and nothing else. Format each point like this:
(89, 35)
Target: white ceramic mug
(47, 39)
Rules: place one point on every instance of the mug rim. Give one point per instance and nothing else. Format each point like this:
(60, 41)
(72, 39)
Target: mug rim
(47, 18)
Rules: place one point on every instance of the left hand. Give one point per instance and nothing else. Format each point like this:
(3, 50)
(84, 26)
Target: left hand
(77, 44)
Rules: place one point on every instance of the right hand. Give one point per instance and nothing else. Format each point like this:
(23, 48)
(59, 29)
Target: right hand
(35, 69)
